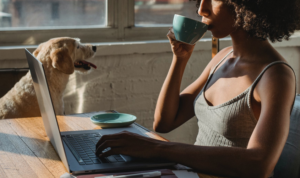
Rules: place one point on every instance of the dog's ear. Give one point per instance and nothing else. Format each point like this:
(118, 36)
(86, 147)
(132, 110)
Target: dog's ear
(62, 61)
(38, 49)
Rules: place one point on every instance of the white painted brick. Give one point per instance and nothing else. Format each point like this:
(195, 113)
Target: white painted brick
(147, 86)
(131, 84)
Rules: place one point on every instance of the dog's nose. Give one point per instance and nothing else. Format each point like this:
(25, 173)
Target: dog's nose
(94, 48)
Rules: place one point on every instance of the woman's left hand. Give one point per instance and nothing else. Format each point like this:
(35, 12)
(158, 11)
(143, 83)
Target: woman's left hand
(129, 144)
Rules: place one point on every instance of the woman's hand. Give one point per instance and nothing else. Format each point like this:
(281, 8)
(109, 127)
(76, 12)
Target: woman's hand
(129, 144)
(180, 50)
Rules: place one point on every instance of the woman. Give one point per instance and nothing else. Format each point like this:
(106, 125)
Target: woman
(242, 100)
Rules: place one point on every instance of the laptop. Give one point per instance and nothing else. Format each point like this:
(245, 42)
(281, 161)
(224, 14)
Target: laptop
(76, 148)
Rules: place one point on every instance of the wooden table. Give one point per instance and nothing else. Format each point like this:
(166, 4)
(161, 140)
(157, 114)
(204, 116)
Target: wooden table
(25, 150)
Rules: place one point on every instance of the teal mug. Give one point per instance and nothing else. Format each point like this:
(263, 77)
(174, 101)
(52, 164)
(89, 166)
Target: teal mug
(188, 30)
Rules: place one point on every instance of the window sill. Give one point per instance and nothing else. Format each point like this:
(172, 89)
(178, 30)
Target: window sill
(138, 47)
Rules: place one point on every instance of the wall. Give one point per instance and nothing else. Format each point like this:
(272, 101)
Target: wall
(130, 83)
(129, 77)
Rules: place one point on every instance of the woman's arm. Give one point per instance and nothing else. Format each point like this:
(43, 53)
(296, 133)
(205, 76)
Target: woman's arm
(174, 108)
(169, 100)
(276, 90)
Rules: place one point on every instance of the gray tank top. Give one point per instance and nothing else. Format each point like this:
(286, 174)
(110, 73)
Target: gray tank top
(229, 124)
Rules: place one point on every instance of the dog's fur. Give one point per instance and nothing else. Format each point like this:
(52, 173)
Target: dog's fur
(58, 56)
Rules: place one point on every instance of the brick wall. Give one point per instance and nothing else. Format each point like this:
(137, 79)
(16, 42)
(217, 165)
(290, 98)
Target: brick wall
(131, 84)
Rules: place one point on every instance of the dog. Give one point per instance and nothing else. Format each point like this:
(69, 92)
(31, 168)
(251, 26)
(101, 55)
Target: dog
(60, 58)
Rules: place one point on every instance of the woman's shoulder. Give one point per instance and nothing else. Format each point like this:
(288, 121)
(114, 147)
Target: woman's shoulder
(276, 66)
(278, 71)
(278, 79)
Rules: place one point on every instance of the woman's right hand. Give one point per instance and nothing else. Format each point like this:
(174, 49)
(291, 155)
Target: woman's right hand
(180, 50)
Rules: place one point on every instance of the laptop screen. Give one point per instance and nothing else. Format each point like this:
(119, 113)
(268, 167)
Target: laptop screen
(46, 106)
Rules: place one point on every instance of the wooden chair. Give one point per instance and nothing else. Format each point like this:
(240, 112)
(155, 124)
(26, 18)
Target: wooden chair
(288, 165)
(9, 77)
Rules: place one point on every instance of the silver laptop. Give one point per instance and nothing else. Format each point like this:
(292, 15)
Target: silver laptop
(76, 148)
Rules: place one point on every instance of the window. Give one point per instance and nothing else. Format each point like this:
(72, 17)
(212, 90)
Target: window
(24, 22)
(52, 13)
(149, 12)
(55, 10)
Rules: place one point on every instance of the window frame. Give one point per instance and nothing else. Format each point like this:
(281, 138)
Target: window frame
(119, 26)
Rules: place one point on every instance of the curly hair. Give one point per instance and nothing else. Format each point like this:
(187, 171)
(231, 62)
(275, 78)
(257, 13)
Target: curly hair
(265, 19)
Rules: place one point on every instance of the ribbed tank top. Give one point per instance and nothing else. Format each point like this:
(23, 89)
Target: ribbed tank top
(231, 123)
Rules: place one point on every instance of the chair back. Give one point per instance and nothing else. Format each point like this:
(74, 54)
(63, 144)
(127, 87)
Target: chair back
(9, 77)
(288, 165)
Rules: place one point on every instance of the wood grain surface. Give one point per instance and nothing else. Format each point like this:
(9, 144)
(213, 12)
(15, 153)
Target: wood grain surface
(25, 149)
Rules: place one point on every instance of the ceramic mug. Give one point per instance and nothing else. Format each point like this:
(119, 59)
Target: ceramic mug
(188, 30)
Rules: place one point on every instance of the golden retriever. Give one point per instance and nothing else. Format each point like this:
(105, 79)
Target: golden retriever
(60, 58)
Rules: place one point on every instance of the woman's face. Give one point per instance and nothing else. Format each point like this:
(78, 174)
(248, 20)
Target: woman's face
(218, 16)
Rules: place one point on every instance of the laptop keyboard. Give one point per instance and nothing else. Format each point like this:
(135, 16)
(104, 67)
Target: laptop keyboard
(83, 147)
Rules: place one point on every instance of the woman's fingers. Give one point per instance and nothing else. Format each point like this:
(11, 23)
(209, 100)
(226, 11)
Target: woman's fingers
(171, 34)
(174, 43)
(112, 151)
(171, 37)
(113, 140)
(108, 137)
(108, 145)
(126, 143)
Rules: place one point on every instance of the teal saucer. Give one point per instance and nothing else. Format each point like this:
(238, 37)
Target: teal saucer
(108, 120)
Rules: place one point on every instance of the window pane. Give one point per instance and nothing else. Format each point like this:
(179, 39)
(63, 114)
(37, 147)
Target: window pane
(51, 13)
(150, 12)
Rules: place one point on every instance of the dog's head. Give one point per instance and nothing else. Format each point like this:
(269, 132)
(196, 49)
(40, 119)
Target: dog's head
(67, 54)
